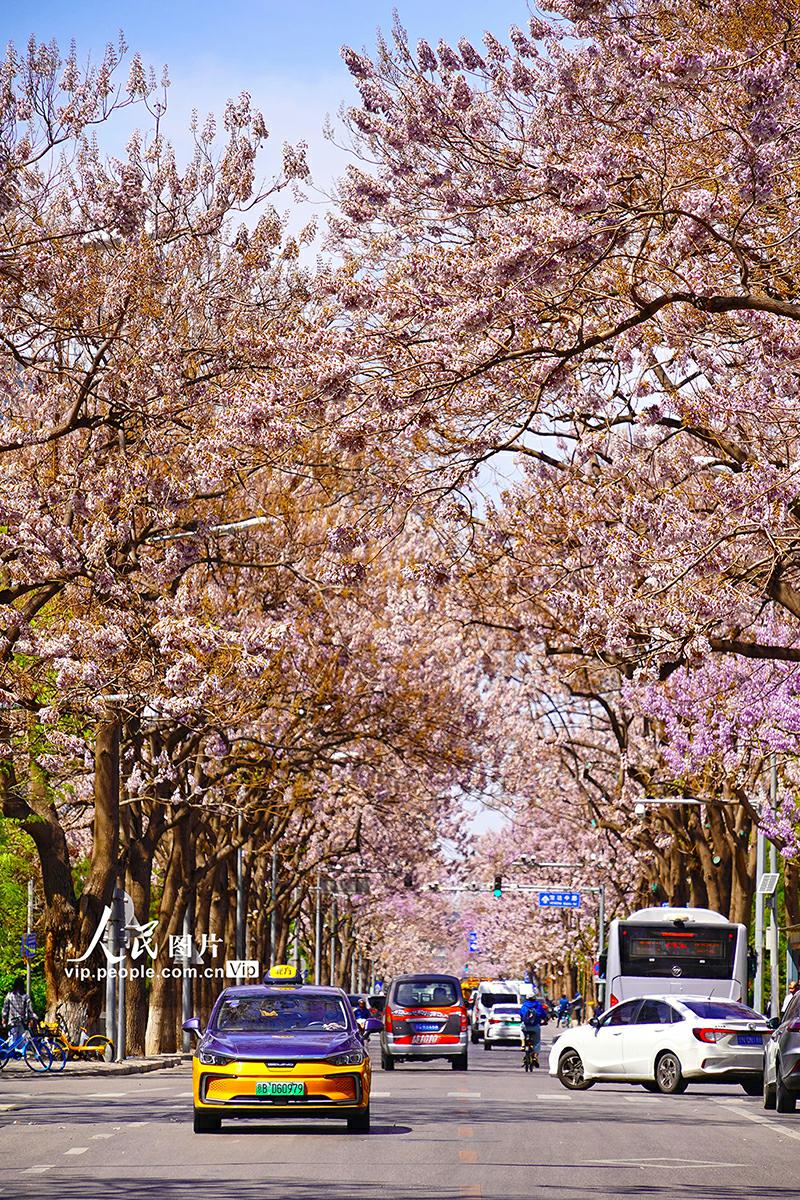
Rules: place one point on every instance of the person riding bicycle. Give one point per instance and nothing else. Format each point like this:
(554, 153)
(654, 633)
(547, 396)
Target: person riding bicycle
(564, 1010)
(18, 1014)
(532, 1014)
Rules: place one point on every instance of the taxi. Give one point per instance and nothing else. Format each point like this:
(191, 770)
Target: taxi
(282, 1049)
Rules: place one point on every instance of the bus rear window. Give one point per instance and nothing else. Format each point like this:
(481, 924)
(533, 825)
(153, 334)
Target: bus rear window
(701, 952)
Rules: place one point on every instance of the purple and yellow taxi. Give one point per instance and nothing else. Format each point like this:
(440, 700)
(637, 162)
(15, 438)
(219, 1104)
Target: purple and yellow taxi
(281, 1049)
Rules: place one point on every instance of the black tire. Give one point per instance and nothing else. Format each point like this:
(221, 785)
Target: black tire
(650, 1086)
(460, 1062)
(669, 1077)
(570, 1072)
(387, 1062)
(358, 1122)
(785, 1101)
(753, 1087)
(487, 1045)
(59, 1054)
(206, 1122)
(473, 1037)
(768, 1093)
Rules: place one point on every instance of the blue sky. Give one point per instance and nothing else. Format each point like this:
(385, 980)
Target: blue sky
(286, 54)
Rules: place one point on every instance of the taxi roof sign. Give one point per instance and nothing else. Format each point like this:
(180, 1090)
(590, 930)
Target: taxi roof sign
(283, 973)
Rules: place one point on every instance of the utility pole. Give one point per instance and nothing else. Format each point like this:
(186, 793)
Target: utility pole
(772, 905)
(334, 919)
(273, 923)
(240, 947)
(29, 931)
(122, 941)
(186, 982)
(758, 982)
(112, 945)
(318, 932)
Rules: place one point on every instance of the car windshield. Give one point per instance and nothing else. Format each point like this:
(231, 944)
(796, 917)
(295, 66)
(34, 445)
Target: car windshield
(281, 1014)
(489, 999)
(422, 993)
(721, 1010)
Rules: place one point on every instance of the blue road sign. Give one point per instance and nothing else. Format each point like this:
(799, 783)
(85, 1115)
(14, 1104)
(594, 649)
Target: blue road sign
(27, 945)
(559, 899)
(472, 942)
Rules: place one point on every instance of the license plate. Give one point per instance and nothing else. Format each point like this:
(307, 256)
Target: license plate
(281, 1088)
(750, 1039)
(425, 1039)
(426, 1026)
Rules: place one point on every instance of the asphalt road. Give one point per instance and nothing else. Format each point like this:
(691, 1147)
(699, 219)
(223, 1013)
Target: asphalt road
(491, 1134)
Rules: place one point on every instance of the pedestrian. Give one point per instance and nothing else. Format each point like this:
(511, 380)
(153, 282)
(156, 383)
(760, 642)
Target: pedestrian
(361, 1011)
(790, 992)
(576, 1003)
(18, 1012)
(563, 1010)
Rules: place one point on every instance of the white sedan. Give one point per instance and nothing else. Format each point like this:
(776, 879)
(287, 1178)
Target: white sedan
(503, 1024)
(664, 1043)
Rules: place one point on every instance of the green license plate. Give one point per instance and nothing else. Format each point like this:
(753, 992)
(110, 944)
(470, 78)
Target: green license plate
(281, 1088)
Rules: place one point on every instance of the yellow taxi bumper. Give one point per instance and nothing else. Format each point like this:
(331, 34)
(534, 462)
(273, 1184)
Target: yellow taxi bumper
(253, 1087)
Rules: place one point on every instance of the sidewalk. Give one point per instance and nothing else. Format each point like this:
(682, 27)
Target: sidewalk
(131, 1066)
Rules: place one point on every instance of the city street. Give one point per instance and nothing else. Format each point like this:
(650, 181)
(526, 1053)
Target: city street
(492, 1134)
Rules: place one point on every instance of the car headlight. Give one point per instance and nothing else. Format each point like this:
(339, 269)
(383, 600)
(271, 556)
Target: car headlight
(213, 1060)
(353, 1058)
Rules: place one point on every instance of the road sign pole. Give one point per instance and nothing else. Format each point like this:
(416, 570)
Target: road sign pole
(758, 982)
(27, 941)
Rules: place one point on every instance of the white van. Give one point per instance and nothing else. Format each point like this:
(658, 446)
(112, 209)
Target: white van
(487, 994)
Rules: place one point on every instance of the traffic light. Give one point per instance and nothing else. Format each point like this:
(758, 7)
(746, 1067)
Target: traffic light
(498, 886)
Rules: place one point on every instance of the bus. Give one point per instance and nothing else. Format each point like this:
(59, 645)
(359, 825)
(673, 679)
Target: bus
(693, 951)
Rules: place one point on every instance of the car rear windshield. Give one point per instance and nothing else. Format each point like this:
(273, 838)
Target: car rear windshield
(721, 1010)
(489, 999)
(281, 1014)
(419, 993)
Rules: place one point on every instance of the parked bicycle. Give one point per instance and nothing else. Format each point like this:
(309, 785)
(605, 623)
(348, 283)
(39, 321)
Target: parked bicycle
(91, 1047)
(33, 1050)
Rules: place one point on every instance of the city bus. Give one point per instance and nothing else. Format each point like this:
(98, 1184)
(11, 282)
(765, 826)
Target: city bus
(693, 951)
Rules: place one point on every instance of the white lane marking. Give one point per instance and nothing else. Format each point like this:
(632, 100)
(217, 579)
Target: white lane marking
(6, 1107)
(136, 1124)
(96, 1137)
(552, 1096)
(660, 1164)
(106, 1095)
(380, 1095)
(38, 1170)
(738, 1106)
(77, 1150)
(466, 1095)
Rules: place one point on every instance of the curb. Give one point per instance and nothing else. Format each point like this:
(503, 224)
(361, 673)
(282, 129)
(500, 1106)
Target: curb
(84, 1071)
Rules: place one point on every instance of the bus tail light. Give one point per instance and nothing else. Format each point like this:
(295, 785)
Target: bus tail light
(612, 1000)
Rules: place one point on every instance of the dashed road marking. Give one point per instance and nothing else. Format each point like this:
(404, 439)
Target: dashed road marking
(136, 1124)
(38, 1170)
(466, 1095)
(106, 1095)
(380, 1095)
(77, 1150)
(96, 1137)
(468, 1156)
(738, 1106)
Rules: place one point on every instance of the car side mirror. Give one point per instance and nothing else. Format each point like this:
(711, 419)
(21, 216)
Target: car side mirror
(192, 1026)
(594, 1022)
(774, 1022)
(372, 1025)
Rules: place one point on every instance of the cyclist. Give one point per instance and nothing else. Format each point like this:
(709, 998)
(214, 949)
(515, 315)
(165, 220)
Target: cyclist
(18, 1014)
(564, 1010)
(533, 1015)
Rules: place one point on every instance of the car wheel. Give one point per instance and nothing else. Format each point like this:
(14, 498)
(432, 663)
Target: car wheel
(785, 1101)
(570, 1072)
(387, 1062)
(358, 1122)
(487, 1045)
(460, 1062)
(768, 1092)
(753, 1087)
(669, 1077)
(473, 1037)
(650, 1086)
(206, 1123)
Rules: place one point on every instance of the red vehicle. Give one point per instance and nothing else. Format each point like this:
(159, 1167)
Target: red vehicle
(425, 1018)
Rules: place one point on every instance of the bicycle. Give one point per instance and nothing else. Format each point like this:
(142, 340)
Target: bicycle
(530, 1057)
(94, 1046)
(34, 1051)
